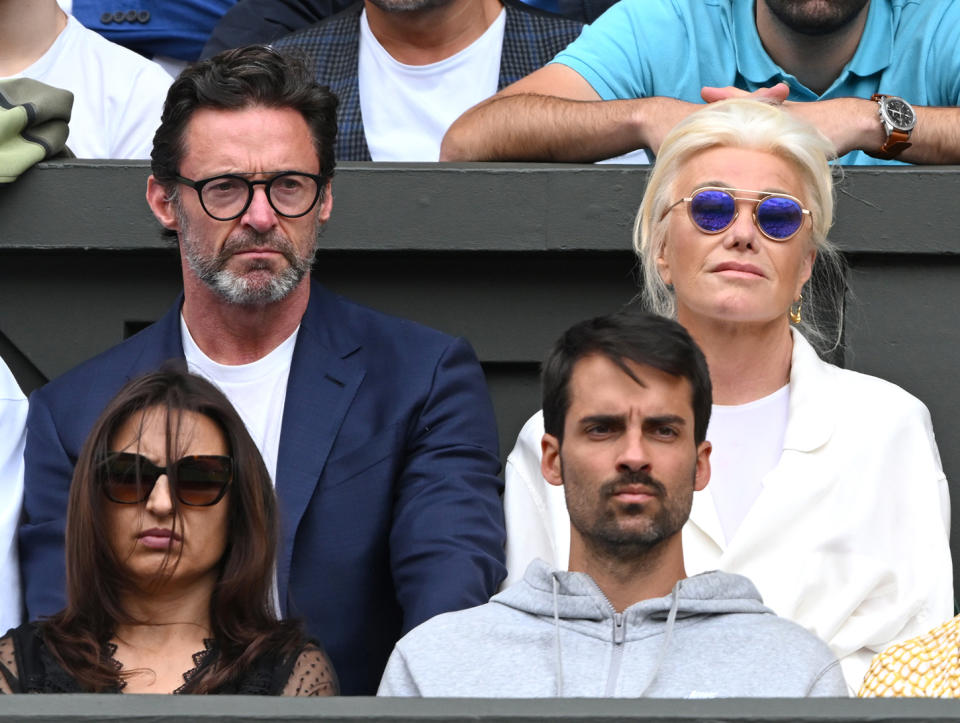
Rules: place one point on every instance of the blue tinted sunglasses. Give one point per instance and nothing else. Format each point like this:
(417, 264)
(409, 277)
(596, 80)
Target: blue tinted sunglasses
(778, 215)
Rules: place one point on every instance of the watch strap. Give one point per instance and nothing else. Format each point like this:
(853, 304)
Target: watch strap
(896, 143)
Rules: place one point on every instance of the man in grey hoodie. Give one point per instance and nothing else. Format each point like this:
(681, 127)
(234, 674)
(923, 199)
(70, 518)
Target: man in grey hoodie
(626, 402)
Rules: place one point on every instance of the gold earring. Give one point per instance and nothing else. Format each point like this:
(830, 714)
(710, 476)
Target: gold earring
(795, 316)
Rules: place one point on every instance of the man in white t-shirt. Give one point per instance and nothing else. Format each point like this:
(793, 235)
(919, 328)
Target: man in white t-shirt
(404, 70)
(379, 432)
(118, 95)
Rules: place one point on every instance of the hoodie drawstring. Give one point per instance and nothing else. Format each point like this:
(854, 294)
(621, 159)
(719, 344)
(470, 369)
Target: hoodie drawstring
(556, 627)
(667, 638)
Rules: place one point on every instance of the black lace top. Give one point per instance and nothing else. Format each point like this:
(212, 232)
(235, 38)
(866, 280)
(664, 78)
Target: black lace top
(27, 666)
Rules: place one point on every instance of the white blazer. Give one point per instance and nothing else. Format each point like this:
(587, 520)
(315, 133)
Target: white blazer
(849, 537)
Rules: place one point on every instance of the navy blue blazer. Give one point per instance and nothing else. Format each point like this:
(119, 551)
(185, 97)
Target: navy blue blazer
(387, 476)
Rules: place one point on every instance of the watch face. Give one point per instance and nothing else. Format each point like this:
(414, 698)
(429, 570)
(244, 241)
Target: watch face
(900, 114)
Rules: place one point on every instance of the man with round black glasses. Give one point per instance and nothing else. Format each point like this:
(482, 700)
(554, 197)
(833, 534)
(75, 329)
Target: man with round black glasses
(378, 433)
(291, 195)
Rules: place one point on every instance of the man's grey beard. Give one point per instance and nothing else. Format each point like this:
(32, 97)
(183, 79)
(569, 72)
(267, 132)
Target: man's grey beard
(235, 288)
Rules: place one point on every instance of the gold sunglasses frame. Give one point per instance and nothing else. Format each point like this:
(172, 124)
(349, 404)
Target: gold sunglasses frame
(762, 196)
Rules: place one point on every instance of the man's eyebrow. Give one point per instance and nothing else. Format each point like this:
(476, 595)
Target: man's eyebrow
(602, 419)
(674, 419)
(263, 173)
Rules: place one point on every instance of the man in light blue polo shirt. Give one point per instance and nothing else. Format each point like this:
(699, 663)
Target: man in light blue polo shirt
(656, 60)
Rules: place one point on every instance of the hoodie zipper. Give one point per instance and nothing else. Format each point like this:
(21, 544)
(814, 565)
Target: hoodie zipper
(619, 628)
(619, 635)
(618, 638)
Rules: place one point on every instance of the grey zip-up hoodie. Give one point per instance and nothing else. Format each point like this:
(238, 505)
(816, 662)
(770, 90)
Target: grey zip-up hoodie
(555, 634)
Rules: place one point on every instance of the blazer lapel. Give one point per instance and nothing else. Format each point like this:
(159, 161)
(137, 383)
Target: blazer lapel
(813, 406)
(320, 389)
(344, 81)
(810, 424)
(512, 48)
(162, 342)
(331, 49)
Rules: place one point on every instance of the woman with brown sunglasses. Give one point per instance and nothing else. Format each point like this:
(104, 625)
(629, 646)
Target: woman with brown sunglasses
(171, 541)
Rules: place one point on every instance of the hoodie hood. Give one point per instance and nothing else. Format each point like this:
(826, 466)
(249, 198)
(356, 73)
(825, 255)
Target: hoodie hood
(579, 598)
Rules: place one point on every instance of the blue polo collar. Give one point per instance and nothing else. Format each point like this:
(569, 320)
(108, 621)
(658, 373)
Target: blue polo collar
(875, 52)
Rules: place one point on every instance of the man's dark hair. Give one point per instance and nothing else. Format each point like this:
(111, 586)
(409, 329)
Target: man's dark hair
(628, 335)
(242, 78)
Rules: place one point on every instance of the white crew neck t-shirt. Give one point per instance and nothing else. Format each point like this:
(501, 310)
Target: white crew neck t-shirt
(257, 390)
(408, 108)
(117, 95)
(747, 443)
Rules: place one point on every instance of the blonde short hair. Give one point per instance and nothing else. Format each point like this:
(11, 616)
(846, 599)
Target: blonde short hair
(754, 125)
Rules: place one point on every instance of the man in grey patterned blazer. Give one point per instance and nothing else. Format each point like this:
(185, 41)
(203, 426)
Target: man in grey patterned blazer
(404, 70)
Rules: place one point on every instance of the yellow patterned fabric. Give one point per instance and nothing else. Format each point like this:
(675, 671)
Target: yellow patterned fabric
(928, 665)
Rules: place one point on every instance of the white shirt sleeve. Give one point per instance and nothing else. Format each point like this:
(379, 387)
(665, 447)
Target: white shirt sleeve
(13, 420)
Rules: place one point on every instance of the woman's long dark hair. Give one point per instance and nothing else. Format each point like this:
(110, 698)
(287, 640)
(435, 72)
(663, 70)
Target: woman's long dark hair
(242, 618)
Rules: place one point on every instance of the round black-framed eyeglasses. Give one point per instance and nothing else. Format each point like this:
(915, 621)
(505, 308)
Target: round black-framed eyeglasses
(225, 197)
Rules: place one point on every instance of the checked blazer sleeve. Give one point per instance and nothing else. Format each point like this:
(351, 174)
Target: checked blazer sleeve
(331, 49)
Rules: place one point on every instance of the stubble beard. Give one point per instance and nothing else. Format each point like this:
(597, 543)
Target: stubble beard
(249, 287)
(816, 17)
(407, 6)
(627, 532)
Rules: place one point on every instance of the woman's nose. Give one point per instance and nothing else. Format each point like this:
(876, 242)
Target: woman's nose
(160, 501)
